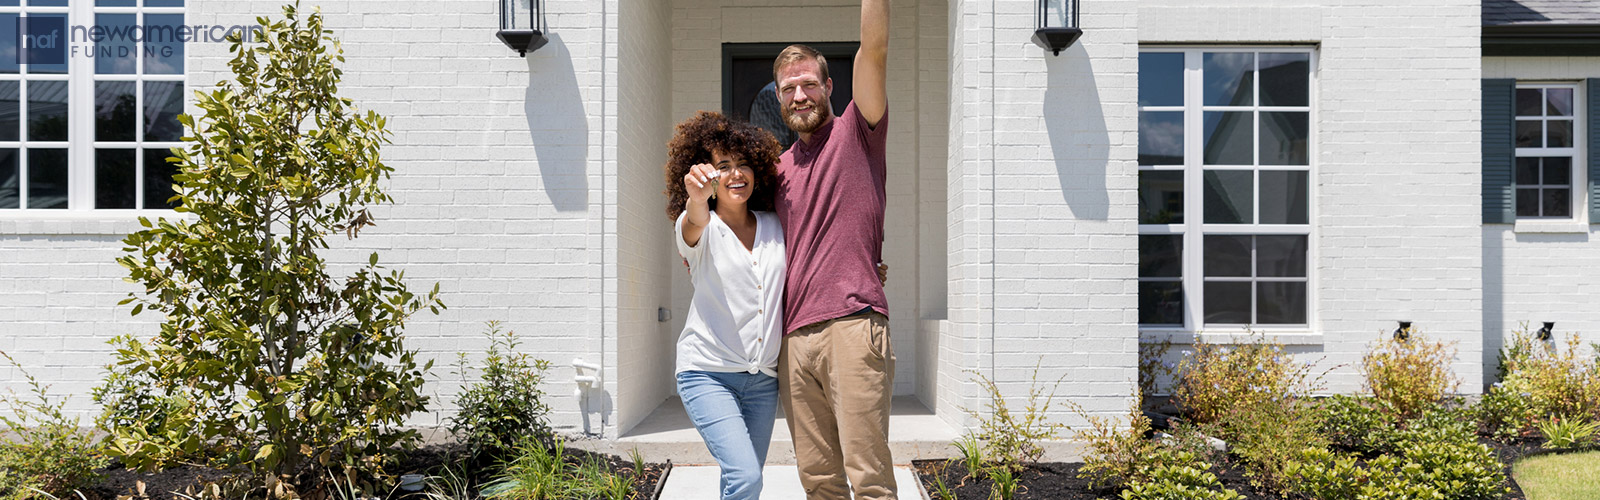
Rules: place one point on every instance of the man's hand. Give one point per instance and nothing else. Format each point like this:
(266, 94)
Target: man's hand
(883, 273)
(872, 62)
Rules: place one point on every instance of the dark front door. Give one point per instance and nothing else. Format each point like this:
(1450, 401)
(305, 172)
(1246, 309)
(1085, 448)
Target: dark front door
(747, 77)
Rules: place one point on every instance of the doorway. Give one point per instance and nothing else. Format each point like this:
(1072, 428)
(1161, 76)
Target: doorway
(747, 76)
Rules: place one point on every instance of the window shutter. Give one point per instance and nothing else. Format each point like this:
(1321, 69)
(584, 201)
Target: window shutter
(1499, 149)
(1593, 99)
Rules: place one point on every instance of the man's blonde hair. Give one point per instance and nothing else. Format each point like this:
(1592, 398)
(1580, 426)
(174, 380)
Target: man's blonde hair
(796, 53)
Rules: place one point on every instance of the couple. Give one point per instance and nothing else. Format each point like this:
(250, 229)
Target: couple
(783, 252)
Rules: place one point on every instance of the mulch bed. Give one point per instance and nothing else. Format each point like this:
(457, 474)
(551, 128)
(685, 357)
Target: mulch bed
(118, 481)
(1059, 481)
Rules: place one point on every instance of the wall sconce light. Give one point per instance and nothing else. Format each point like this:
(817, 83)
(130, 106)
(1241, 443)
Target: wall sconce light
(1546, 332)
(522, 25)
(1056, 25)
(1404, 332)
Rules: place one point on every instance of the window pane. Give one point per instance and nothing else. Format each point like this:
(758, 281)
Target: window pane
(1281, 303)
(1528, 171)
(47, 178)
(1285, 197)
(1281, 256)
(1557, 202)
(158, 179)
(1557, 171)
(1160, 137)
(162, 44)
(1558, 102)
(1229, 138)
(115, 179)
(1528, 102)
(1229, 197)
(10, 110)
(8, 43)
(47, 3)
(47, 111)
(1559, 134)
(1160, 79)
(115, 110)
(1161, 197)
(1530, 133)
(113, 3)
(1160, 256)
(1228, 78)
(1284, 136)
(10, 183)
(1160, 303)
(163, 102)
(1227, 302)
(163, 3)
(1528, 202)
(1227, 256)
(1285, 79)
(115, 52)
(38, 66)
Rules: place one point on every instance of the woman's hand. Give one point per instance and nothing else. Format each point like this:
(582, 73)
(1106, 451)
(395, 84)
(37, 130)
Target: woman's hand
(700, 182)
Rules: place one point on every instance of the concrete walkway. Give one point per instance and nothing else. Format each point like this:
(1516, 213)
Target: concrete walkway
(781, 482)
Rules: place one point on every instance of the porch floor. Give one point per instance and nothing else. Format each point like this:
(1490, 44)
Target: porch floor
(914, 433)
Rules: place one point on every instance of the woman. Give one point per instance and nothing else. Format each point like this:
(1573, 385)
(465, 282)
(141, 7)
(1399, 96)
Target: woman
(721, 181)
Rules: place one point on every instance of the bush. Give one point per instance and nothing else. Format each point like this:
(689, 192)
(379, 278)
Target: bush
(1116, 455)
(1410, 375)
(272, 359)
(45, 451)
(1555, 379)
(1356, 424)
(1267, 435)
(1012, 438)
(1187, 479)
(506, 404)
(1506, 415)
(1217, 378)
(1325, 475)
(1457, 470)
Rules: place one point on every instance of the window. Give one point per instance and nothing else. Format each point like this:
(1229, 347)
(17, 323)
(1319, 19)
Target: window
(1547, 129)
(94, 131)
(1224, 187)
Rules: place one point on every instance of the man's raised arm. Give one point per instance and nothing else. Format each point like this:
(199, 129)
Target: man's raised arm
(872, 62)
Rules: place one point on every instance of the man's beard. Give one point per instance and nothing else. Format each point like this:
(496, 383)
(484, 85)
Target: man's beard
(819, 113)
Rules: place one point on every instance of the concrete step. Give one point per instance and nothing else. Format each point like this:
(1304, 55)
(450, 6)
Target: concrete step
(780, 482)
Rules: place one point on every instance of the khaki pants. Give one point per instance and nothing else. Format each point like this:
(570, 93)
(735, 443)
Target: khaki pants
(836, 379)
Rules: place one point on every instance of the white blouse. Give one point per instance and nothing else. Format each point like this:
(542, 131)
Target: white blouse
(735, 321)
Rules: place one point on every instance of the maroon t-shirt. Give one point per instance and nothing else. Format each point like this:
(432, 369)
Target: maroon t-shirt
(831, 202)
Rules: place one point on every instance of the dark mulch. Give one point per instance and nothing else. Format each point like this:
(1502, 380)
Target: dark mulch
(1059, 481)
(118, 481)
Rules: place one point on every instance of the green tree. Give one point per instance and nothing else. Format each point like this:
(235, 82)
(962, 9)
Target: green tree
(264, 358)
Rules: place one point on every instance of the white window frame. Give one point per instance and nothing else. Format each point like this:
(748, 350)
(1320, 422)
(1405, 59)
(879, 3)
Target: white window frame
(1194, 229)
(80, 142)
(1578, 183)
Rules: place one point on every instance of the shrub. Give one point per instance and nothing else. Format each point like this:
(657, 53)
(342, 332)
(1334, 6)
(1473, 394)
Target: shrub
(1217, 378)
(506, 403)
(1457, 470)
(1410, 375)
(1013, 438)
(1567, 433)
(1506, 415)
(1554, 377)
(45, 451)
(1267, 435)
(1187, 480)
(1153, 368)
(275, 360)
(1356, 424)
(1325, 475)
(1116, 455)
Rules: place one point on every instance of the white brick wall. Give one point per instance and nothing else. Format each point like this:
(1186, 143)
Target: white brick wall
(1531, 277)
(1396, 201)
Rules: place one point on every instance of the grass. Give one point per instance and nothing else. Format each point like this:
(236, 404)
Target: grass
(1573, 476)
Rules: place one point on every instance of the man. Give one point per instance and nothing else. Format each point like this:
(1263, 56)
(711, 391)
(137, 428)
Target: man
(836, 370)
(766, 112)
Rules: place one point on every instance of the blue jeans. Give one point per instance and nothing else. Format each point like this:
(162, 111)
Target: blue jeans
(734, 413)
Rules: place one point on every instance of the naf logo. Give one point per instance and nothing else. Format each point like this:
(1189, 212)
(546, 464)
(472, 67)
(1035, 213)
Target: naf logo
(42, 40)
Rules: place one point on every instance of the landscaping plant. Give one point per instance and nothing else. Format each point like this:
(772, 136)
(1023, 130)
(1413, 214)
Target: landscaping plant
(1554, 376)
(1215, 378)
(1566, 433)
(268, 359)
(1410, 374)
(1012, 437)
(1186, 479)
(1356, 424)
(506, 404)
(42, 453)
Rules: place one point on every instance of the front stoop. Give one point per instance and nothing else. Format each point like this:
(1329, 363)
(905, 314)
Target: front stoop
(915, 433)
(779, 482)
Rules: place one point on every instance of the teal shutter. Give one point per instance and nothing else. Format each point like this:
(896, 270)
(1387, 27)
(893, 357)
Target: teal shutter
(1594, 149)
(1499, 150)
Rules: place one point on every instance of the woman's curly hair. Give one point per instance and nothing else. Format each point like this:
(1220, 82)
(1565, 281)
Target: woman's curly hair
(709, 131)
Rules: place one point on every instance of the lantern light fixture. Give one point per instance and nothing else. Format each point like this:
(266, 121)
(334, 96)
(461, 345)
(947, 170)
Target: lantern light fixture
(1548, 331)
(522, 25)
(1404, 332)
(1056, 24)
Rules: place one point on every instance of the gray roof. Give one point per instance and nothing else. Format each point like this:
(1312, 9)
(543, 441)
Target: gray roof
(1540, 12)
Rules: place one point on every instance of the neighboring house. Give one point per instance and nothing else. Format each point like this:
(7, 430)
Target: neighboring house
(1316, 170)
